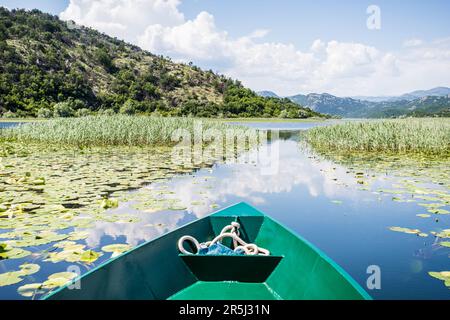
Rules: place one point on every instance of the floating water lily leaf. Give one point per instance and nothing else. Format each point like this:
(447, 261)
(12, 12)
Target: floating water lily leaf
(63, 244)
(116, 248)
(443, 234)
(431, 205)
(38, 239)
(337, 201)
(27, 269)
(390, 191)
(9, 278)
(14, 253)
(445, 244)
(405, 230)
(396, 199)
(444, 276)
(423, 215)
(38, 182)
(427, 198)
(54, 283)
(29, 290)
(82, 223)
(439, 211)
(179, 208)
(72, 254)
(80, 235)
(89, 256)
(109, 203)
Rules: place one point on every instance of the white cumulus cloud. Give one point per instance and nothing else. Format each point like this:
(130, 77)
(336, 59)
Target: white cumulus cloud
(341, 68)
(198, 39)
(125, 19)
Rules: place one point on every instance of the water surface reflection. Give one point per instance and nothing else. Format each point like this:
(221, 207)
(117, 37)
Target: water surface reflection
(339, 208)
(319, 199)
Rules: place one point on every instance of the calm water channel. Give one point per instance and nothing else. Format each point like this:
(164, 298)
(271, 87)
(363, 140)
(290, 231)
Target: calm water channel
(318, 199)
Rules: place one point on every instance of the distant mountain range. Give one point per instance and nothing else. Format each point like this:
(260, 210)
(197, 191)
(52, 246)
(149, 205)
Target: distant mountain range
(438, 92)
(433, 102)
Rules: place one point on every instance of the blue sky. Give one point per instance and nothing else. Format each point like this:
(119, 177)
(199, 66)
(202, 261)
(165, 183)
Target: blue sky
(289, 46)
(301, 22)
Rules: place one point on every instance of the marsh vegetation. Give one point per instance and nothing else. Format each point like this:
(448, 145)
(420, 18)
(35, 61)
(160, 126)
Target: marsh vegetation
(118, 130)
(400, 136)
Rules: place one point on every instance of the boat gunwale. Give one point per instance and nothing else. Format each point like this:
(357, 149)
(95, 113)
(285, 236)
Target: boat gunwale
(107, 262)
(317, 250)
(325, 257)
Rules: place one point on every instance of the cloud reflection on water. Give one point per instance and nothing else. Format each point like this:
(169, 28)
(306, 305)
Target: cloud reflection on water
(201, 192)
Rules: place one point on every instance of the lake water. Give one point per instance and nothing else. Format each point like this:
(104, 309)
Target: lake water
(8, 124)
(322, 202)
(319, 199)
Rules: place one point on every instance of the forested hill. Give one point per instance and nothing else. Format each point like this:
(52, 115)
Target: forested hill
(52, 68)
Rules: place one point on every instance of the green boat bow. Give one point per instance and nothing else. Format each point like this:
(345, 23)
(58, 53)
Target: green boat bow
(295, 270)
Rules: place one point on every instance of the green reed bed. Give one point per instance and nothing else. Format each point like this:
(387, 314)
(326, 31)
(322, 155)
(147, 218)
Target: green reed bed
(116, 130)
(400, 136)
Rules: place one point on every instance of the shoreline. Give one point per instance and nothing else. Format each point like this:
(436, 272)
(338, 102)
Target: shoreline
(27, 120)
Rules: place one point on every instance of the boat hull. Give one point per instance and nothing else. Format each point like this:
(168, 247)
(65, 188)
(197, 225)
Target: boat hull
(295, 270)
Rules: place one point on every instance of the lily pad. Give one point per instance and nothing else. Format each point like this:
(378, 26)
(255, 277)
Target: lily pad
(109, 203)
(27, 269)
(405, 230)
(439, 211)
(63, 244)
(9, 278)
(179, 208)
(54, 283)
(431, 205)
(31, 289)
(14, 253)
(443, 234)
(443, 275)
(80, 235)
(89, 256)
(116, 248)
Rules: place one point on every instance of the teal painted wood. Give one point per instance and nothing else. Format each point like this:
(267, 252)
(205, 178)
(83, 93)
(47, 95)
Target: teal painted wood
(155, 270)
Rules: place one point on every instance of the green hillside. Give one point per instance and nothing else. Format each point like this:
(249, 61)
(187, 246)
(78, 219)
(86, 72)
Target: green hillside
(51, 68)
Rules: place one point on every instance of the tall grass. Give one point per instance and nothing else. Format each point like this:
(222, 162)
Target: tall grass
(422, 136)
(115, 130)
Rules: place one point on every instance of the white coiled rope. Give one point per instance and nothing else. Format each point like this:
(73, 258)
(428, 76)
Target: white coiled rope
(230, 231)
